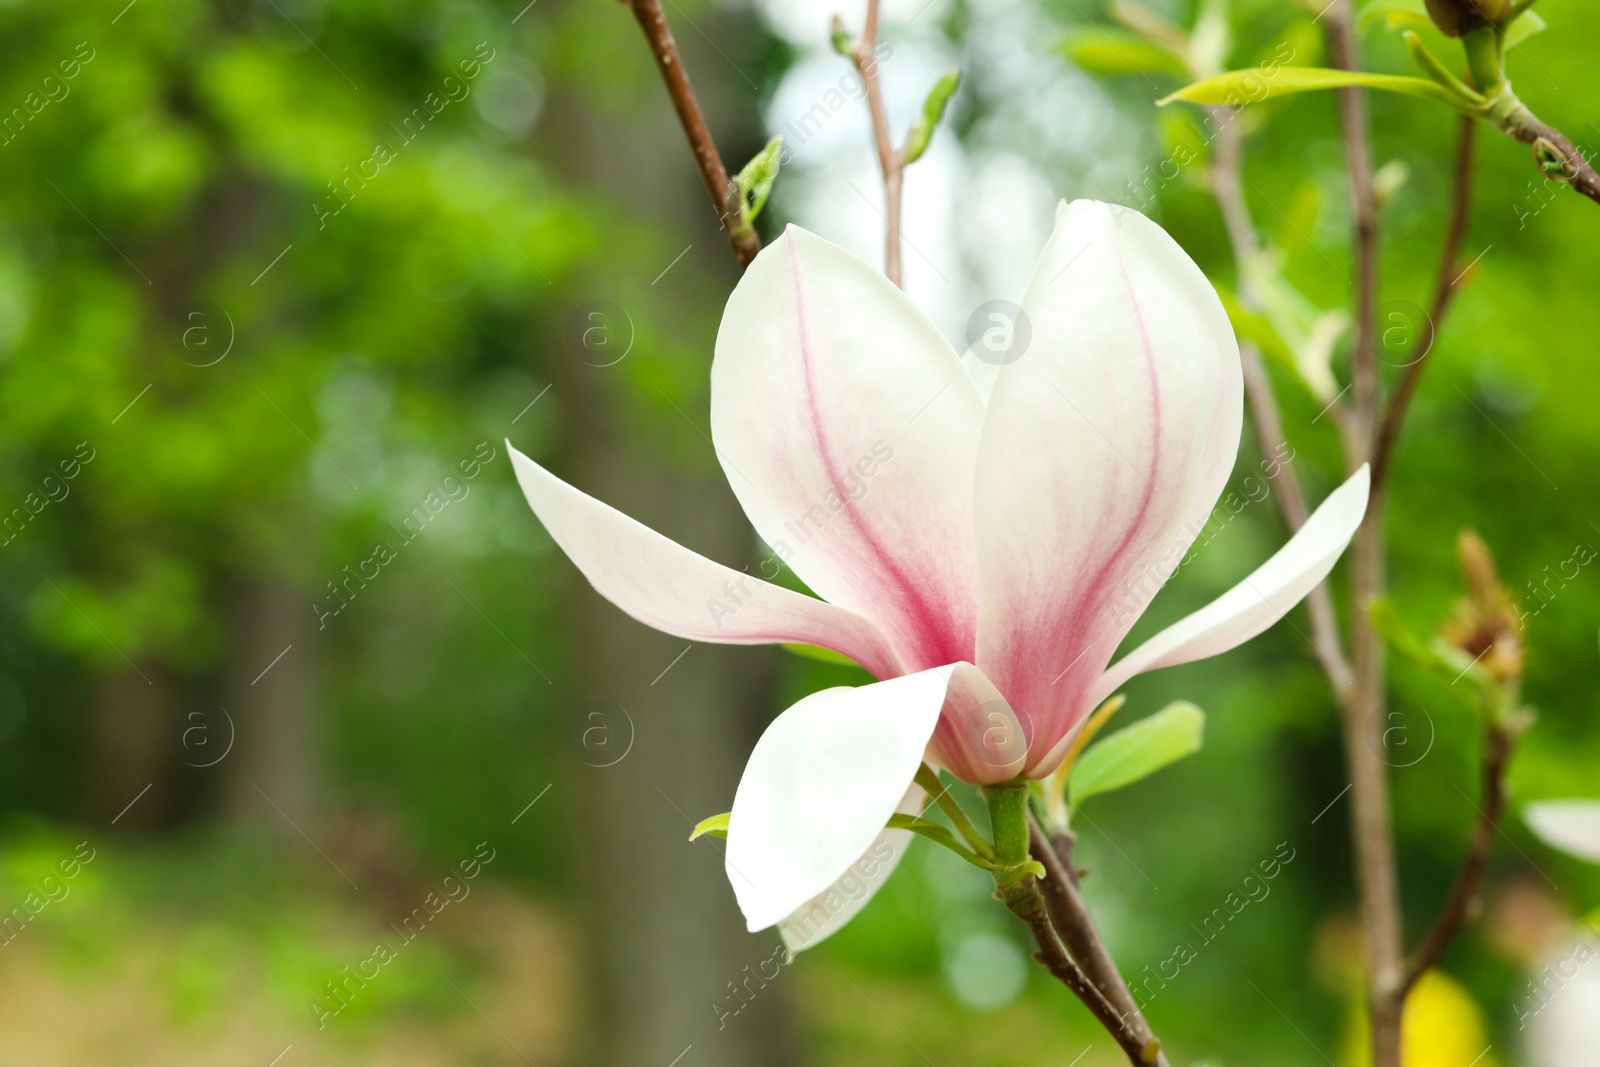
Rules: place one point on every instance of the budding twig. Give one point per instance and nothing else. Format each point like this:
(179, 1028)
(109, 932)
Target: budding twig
(890, 160)
(1362, 706)
(1226, 187)
(1499, 742)
(1449, 277)
(724, 196)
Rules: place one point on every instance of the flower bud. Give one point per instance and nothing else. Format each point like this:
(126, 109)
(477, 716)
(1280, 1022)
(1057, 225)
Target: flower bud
(1485, 624)
(1456, 17)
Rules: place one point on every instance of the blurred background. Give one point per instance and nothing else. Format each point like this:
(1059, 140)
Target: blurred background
(350, 766)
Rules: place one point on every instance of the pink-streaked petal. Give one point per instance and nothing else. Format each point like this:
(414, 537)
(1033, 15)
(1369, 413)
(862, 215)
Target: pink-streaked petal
(979, 739)
(667, 587)
(818, 918)
(1106, 442)
(819, 787)
(1262, 598)
(848, 430)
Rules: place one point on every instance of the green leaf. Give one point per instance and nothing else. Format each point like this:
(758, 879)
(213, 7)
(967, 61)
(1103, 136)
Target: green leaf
(1386, 621)
(716, 826)
(755, 181)
(1396, 14)
(840, 38)
(1450, 665)
(932, 113)
(1239, 87)
(1114, 54)
(1434, 68)
(822, 655)
(1524, 26)
(1138, 751)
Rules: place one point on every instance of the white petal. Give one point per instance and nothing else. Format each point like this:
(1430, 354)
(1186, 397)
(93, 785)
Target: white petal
(849, 430)
(1573, 826)
(818, 918)
(819, 787)
(666, 586)
(1261, 599)
(1107, 441)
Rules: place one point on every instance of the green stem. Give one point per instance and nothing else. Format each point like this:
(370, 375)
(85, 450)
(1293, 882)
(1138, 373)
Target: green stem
(1008, 819)
(938, 834)
(1485, 57)
(928, 779)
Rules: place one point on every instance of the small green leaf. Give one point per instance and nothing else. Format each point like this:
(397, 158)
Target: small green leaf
(1114, 54)
(716, 826)
(754, 182)
(1434, 68)
(1396, 14)
(1239, 87)
(1138, 751)
(1386, 621)
(932, 112)
(822, 655)
(840, 38)
(1523, 27)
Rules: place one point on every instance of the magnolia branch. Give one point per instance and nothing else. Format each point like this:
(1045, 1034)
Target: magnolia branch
(1227, 188)
(891, 161)
(1363, 703)
(1030, 908)
(1071, 919)
(724, 196)
(1551, 146)
(1498, 746)
(1394, 412)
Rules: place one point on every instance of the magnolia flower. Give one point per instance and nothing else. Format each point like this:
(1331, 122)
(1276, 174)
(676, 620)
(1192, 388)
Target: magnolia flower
(980, 542)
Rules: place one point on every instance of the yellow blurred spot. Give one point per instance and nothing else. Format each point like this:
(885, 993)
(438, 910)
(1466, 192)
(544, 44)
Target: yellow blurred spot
(1443, 1027)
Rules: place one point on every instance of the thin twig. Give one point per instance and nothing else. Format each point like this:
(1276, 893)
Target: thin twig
(1227, 187)
(1498, 745)
(1394, 412)
(1363, 705)
(1578, 172)
(724, 197)
(1030, 908)
(890, 160)
(1072, 921)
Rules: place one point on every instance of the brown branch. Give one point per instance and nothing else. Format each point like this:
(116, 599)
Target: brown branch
(1227, 188)
(1071, 919)
(724, 197)
(1362, 718)
(1455, 233)
(1524, 126)
(891, 161)
(1027, 904)
(1499, 743)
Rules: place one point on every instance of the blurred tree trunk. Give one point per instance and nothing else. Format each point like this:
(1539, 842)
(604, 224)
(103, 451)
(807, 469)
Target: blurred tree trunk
(663, 932)
(133, 732)
(269, 707)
